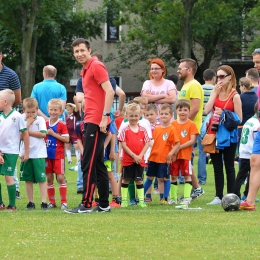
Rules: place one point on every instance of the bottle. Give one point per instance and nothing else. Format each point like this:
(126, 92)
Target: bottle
(215, 122)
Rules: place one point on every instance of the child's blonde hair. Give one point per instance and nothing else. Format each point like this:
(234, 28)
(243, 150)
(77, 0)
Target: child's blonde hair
(167, 106)
(30, 103)
(8, 94)
(55, 101)
(70, 105)
(141, 100)
(133, 107)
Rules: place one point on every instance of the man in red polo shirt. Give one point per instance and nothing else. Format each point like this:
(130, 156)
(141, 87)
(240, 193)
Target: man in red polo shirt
(98, 96)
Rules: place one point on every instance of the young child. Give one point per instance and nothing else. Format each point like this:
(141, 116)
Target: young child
(71, 120)
(187, 131)
(135, 142)
(150, 114)
(57, 136)
(248, 135)
(166, 144)
(12, 124)
(33, 170)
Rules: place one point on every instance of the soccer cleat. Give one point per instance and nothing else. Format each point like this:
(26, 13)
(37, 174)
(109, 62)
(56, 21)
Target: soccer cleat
(64, 206)
(80, 191)
(156, 191)
(171, 202)
(2, 206)
(148, 200)
(124, 204)
(11, 208)
(142, 204)
(80, 209)
(245, 206)
(94, 204)
(51, 206)
(132, 202)
(185, 201)
(102, 210)
(114, 204)
(196, 193)
(69, 162)
(118, 200)
(44, 206)
(30, 205)
(17, 195)
(216, 201)
(163, 202)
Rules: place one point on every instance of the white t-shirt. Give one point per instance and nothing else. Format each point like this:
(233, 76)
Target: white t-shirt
(10, 128)
(37, 145)
(248, 134)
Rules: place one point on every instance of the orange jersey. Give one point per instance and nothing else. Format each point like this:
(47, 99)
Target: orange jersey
(184, 133)
(164, 139)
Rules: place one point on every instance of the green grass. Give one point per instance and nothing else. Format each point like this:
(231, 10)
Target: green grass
(156, 232)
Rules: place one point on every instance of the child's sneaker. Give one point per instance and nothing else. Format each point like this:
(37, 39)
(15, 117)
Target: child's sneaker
(132, 202)
(163, 202)
(114, 204)
(2, 206)
(185, 201)
(102, 210)
(51, 206)
(64, 206)
(148, 200)
(11, 208)
(17, 195)
(119, 200)
(30, 205)
(156, 191)
(171, 202)
(196, 193)
(94, 204)
(44, 206)
(245, 206)
(124, 204)
(142, 204)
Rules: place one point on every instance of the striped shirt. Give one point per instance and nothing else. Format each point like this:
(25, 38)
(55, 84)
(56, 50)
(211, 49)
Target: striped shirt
(207, 88)
(9, 79)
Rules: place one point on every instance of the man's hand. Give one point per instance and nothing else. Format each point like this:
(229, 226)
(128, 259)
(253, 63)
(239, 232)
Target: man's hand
(103, 124)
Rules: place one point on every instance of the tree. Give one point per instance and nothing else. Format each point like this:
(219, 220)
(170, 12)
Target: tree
(178, 29)
(42, 32)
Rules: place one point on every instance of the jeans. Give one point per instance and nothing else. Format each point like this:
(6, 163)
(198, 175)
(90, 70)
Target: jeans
(80, 176)
(228, 156)
(202, 172)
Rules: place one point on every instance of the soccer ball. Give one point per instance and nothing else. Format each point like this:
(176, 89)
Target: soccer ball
(230, 202)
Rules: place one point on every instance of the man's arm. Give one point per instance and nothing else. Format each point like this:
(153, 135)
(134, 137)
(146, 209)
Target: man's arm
(195, 106)
(63, 102)
(40, 113)
(18, 97)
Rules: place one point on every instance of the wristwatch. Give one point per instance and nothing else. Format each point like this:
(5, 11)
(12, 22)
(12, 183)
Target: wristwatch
(105, 114)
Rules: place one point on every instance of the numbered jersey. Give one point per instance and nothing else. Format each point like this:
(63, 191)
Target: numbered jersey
(248, 134)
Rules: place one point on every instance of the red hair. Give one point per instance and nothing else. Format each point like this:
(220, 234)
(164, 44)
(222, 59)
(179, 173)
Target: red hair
(160, 63)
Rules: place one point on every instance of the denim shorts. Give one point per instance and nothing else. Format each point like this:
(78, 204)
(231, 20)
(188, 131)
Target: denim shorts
(159, 170)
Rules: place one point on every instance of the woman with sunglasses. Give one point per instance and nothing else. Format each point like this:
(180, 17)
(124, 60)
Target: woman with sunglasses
(224, 95)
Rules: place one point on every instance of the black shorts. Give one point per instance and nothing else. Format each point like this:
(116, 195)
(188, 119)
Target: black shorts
(133, 172)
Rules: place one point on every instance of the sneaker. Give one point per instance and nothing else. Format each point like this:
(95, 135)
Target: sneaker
(163, 202)
(114, 204)
(171, 202)
(44, 206)
(2, 206)
(30, 205)
(181, 198)
(216, 201)
(94, 204)
(196, 193)
(148, 200)
(119, 200)
(142, 204)
(185, 201)
(245, 206)
(51, 206)
(70, 162)
(11, 208)
(156, 191)
(132, 202)
(80, 209)
(17, 195)
(64, 206)
(80, 191)
(136, 200)
(124, 204)
(102, 210)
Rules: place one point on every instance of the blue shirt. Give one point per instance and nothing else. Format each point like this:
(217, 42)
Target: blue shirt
(9, 79)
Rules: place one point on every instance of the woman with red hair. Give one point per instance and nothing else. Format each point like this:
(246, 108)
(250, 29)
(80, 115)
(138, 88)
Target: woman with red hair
(158, 90)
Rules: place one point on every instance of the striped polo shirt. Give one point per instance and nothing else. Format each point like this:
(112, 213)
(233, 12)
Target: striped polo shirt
(9, 79)
(207, 88)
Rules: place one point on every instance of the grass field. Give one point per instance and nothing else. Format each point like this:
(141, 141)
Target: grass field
(156, 232)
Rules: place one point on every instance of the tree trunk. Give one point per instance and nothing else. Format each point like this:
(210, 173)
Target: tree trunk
(186, 34)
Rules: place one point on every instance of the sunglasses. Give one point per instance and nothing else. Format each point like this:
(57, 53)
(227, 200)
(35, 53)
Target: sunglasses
(222, 76)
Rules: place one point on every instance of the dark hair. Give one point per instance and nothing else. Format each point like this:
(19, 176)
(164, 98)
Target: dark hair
(152, 107)
(78, 41)
(191, 64)
(167, 106)
(174, 78)
(183, 103)
(209, 74)
(98, 55)
(253, 73)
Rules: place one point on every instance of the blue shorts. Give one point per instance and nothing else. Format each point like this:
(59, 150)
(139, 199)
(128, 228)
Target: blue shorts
(256, 146)
(159, 170)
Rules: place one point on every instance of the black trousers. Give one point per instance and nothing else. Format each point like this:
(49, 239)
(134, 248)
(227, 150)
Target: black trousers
(242, 175)
(228, 156)
(93, 168)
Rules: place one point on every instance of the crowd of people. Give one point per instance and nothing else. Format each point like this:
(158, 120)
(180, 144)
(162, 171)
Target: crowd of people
(115, 148)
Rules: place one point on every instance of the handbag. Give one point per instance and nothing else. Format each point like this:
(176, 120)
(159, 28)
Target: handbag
(209, 143)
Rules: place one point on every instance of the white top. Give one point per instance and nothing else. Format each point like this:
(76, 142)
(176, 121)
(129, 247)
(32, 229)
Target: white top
(10, 128)
(37, 145)
(248, 134)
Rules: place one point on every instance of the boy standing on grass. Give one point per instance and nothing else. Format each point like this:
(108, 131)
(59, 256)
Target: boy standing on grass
(33, 170)
(166, 144)
(135, 142)
(187, 132)
(57, 136)
(11, 125)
